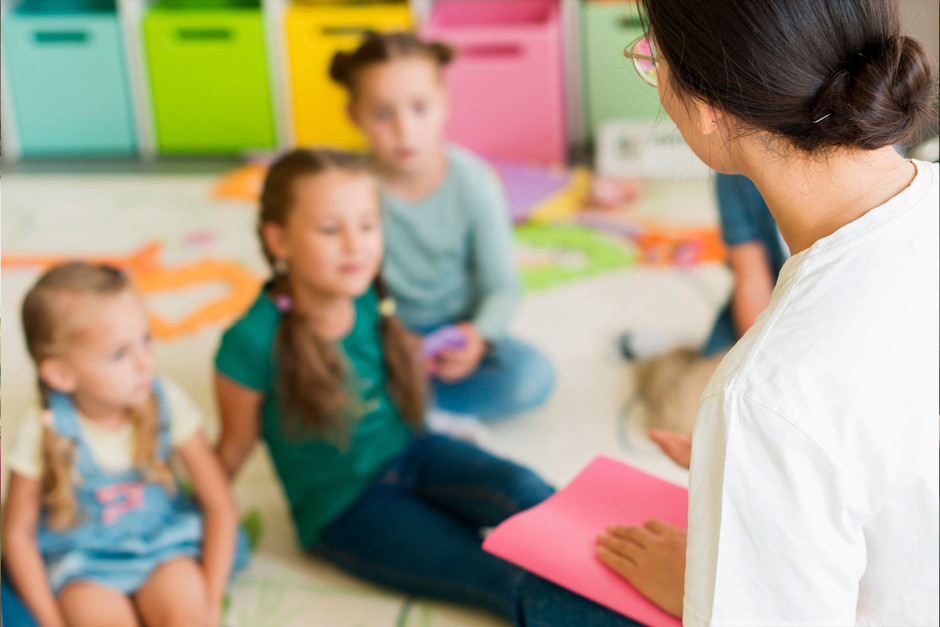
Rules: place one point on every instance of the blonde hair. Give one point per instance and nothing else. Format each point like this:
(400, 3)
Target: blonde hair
(313, 377)
(45, 325)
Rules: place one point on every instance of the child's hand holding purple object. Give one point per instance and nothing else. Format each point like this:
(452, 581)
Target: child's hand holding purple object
(445, 338)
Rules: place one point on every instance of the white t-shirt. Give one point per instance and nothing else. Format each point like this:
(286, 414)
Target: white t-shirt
(813, 495)
(112, 449)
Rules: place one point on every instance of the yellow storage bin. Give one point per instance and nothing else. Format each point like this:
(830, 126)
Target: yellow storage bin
(314, 33)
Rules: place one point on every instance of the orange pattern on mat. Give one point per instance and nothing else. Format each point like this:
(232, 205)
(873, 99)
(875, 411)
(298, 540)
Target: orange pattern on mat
(245, 183)
(151, 277)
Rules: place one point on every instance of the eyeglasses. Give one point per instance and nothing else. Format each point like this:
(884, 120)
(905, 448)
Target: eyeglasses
(644, 57)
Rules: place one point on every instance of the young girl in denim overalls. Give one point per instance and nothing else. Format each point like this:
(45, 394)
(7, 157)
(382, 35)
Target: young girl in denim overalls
(97, 529)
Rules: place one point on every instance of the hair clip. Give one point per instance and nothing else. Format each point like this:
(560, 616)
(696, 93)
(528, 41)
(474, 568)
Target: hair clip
(822, 118)
(387, 307)
(283, 303)
(112, 270)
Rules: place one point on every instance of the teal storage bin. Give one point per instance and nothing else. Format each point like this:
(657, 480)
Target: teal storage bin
(612, 88)
(68, 79)
(209, 77)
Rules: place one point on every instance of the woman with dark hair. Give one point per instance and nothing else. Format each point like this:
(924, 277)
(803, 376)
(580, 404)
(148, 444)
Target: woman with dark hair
(813, 495)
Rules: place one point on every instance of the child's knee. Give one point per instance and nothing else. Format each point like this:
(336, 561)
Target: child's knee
(190, 612)
(529, 489)
(535, 380)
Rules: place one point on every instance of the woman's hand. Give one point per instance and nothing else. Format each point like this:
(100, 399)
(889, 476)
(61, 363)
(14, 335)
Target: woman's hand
(651, 558)
(456, 364)
(678, 447)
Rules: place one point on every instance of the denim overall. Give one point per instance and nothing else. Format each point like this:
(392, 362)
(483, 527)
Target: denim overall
(126, 526)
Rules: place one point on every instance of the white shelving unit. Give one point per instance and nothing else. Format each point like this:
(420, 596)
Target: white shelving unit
(274, 14)
(130, 15)
(11, 140)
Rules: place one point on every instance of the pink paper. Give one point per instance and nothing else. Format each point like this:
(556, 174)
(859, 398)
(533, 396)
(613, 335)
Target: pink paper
(556, 539)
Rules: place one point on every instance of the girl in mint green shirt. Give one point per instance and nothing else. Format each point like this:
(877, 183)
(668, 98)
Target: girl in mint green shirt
(321, 369)
(449, 259)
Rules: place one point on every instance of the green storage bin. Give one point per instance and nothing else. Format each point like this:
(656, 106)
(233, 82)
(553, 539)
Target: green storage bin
(209, 76)
(612, 88)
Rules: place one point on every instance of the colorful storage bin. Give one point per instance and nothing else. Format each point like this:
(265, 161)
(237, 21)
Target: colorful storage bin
(209, 76)
(68, 79)
(507, 83)
(316, 31)
(612, 88)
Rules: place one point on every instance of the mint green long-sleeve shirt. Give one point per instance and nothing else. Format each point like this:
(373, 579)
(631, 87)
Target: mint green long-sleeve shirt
(449, 257)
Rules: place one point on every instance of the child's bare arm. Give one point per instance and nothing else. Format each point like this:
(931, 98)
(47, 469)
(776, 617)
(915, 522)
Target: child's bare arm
(221, 517)
(22, 557)
(753, 283)
(240, 411)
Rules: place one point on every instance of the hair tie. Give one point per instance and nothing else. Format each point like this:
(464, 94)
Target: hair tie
(112, 270)
(387, 307)
(283, 302)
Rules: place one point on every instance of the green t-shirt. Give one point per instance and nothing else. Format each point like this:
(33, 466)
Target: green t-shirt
(320, 479)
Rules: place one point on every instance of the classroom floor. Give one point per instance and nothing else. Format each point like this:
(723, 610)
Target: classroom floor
(192, 245)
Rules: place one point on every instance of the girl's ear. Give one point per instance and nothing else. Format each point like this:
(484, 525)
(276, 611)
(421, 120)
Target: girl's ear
(58, 375)
(352, 114)
(275, 240)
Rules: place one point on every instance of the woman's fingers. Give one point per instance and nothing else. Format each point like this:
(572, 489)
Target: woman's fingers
(630, 533)
(621, 565)
(678, 447)
(658, 526)
(623, 546)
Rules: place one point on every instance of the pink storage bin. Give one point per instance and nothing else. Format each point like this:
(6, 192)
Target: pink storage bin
(506, 85)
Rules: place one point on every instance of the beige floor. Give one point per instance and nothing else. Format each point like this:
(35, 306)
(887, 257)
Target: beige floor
(576, 325)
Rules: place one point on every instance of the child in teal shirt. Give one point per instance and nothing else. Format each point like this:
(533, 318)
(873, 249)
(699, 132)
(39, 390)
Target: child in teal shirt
(448, 234)
(321, 369)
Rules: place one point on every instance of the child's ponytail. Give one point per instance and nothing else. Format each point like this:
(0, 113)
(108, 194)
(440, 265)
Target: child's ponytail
(146, 422)
(405, 379)
(58, 453)
(312, 373)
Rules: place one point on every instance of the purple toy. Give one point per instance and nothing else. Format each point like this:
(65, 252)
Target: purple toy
(441, 340)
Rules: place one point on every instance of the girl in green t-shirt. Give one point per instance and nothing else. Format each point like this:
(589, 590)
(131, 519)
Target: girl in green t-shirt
(322, 370)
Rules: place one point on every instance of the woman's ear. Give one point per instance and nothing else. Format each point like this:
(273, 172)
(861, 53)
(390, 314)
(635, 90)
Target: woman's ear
(709, 118)
(58, 374)
(275, 240)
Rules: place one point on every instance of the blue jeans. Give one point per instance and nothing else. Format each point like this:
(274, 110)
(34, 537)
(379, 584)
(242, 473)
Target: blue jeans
(512, 378)
(543, 604)
(723, 335)
(14, 612)
(417, 528)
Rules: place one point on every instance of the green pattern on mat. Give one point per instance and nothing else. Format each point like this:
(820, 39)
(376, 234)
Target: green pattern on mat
(253, 525)
(555, 254)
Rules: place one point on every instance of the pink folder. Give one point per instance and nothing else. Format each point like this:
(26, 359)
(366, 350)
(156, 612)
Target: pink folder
(556, 539)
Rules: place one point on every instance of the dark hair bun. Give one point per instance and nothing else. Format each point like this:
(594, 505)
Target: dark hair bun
(339, 67)
(442, 53)
(877, 98)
